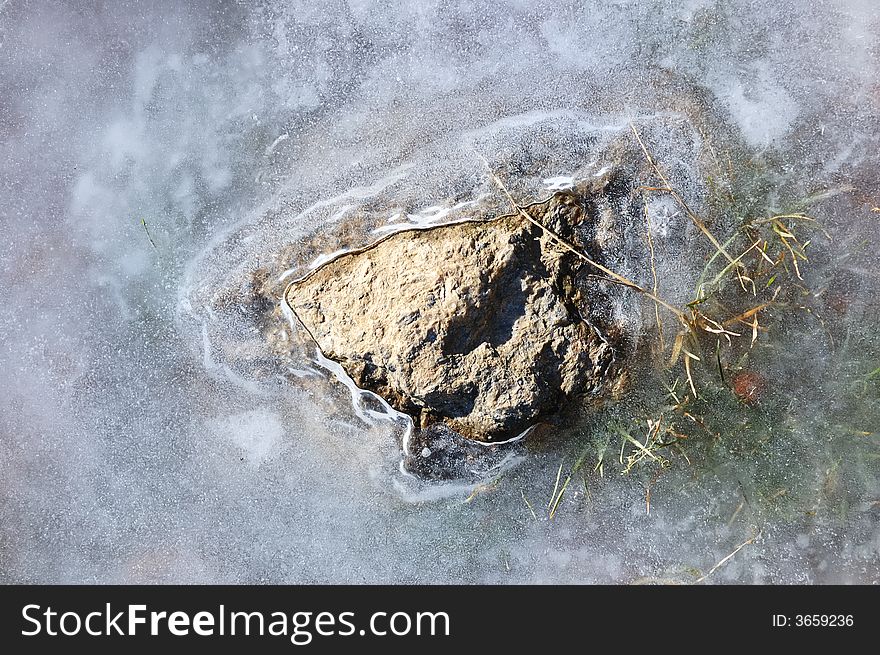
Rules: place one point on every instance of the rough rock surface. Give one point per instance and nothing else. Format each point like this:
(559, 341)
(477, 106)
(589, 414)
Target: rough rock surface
(476, 325)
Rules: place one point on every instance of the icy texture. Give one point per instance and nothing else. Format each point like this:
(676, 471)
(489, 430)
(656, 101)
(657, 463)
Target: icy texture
(151, 154)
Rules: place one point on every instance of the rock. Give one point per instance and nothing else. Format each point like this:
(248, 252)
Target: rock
(480, 326)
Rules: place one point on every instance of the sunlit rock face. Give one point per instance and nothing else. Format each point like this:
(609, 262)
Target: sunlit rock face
(478, 325)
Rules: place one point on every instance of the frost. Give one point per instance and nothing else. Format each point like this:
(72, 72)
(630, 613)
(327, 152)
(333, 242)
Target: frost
(153, 158)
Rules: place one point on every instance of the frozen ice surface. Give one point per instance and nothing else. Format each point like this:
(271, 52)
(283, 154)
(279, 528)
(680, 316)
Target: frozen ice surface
(151, 152)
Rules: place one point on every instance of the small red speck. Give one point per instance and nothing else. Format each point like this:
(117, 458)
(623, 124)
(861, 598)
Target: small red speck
(749, 386)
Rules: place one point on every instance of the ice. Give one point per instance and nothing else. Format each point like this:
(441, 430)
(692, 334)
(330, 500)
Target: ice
(152, 156)
(256, 433)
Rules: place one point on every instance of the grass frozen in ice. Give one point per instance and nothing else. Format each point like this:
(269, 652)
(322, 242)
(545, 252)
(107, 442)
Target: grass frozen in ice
(727, 399)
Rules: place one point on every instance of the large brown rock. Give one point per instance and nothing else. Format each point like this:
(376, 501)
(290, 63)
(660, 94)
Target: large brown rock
(476, 325)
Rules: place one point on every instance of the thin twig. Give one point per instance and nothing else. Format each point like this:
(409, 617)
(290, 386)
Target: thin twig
(653, 272)
(677, 197)
(616, 276)
(528, 504)
(724, 561)
(144, 225)
(687, 370)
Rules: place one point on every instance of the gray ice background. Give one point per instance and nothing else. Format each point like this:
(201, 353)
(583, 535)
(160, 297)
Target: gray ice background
(128, 456)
